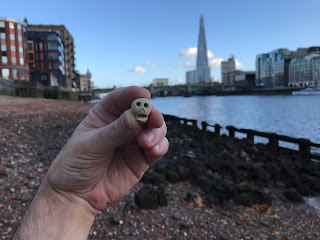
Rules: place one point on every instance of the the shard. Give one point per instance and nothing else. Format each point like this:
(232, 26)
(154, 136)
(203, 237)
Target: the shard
(202, 70)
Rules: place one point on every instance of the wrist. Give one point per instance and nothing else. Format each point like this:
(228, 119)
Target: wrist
(69, 198)
(53, 215)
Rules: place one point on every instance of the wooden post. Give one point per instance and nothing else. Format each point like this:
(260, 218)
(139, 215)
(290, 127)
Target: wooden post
(217, 128)
(231, 130)
(304, 146)
(204, 126)
(273, 139)
(250, 136)
(194, 123)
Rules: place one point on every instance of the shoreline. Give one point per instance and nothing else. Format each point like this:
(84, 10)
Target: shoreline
(33, 131)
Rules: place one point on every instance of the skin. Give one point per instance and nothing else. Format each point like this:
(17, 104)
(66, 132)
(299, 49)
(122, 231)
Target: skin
(106, 156)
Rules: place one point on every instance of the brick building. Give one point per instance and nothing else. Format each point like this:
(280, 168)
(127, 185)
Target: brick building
(13, 54)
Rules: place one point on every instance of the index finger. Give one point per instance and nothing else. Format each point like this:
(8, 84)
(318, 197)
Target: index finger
(117, 101)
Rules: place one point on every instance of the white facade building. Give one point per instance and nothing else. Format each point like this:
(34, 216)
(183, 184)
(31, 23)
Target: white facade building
(159, 82)
(85, 82)
(227, 68)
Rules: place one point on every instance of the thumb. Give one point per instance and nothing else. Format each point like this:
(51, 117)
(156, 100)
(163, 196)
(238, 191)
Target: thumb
(121, 131)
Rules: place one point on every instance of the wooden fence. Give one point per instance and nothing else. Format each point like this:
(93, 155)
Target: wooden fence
(273, 138)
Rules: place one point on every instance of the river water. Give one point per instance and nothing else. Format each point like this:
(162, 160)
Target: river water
(295, 116)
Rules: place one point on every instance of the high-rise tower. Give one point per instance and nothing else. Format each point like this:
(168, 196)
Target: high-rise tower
(203, 70)
(202, 73)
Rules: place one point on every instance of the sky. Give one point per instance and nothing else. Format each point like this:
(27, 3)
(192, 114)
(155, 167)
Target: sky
(127, 42)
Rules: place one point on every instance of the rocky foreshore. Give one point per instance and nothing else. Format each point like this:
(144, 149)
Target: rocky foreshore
(206, 187)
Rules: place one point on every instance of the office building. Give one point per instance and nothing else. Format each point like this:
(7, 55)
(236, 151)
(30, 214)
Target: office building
(228, 71)
(159, 82)
(13, 59)
(245, 78)
(272, 69)
(46, 57)
(190, 77)
(202, 72)
(69, 52)
(305, 71)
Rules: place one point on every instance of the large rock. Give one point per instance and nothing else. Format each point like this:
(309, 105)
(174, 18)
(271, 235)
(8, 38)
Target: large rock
(253, 197)
(293, 195)
(204, 183)
(150, 197)
(184, 172)
(173, 176)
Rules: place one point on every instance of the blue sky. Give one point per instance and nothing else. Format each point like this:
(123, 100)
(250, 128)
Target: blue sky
(128, 42)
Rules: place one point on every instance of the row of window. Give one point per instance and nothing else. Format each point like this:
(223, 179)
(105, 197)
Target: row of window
(11, 25)
(12, 48)
(13, 60)
(12, 36)
(6, 73)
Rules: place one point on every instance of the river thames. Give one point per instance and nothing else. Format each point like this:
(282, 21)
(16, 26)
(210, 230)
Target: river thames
(295, 116)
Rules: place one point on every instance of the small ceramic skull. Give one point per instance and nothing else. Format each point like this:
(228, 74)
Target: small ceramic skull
(141, 108)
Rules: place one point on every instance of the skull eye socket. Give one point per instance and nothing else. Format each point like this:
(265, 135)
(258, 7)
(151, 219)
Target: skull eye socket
(146, 105)
(138, 104)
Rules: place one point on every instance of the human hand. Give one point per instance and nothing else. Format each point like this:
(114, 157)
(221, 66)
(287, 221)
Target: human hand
(109, 151)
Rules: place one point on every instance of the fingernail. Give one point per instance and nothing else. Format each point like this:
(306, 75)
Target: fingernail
(157, 147)
(149, 136)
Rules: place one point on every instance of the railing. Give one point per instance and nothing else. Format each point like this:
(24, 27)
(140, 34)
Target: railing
(273, 138)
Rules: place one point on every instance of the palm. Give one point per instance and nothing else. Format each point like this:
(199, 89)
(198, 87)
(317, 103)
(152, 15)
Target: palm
(103, 159)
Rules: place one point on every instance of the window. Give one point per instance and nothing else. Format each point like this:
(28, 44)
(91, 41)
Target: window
(3, 47)
(5, 72)
(13, 48)
(53, 56)
(23, 74)
(2, 36)
(53, 46)
(21, 61)
(30, 56)
(14, 73)
(32, 66)
(11, 25)
(20, 49)
(4, 59)
(12, 36)
(14, 60)
(2, 24)
(19, 26)
(30, 46)
(43, 77)
(52, 37)
(19, 38)
(54, 66)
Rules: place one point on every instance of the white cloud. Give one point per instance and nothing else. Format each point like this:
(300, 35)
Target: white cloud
(215, 62)
(189, 64)
(139, 69)
(148, 63)
(189, 53)
(210, 54)
(238, 64)
(192, 53)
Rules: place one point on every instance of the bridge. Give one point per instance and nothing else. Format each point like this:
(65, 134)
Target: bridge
(176, 90)
(206, 89)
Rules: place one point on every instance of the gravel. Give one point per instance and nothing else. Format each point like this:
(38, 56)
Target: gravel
(33, 131)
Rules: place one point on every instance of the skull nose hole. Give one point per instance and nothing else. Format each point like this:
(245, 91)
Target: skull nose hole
(146, 105)
(138, 104)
